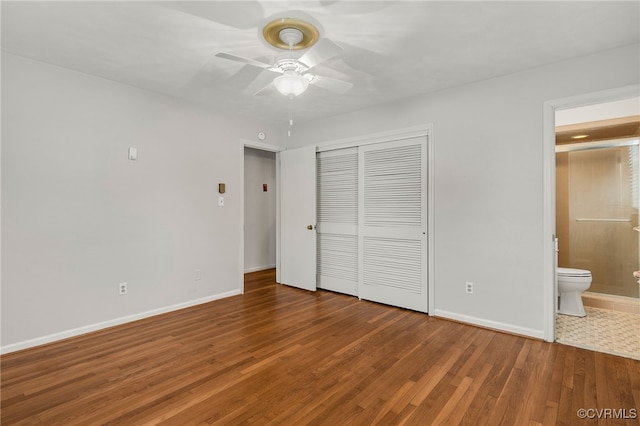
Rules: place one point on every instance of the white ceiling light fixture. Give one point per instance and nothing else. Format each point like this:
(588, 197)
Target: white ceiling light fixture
(290, 83)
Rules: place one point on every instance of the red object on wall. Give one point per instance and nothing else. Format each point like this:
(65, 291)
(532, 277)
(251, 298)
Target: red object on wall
(264, 187)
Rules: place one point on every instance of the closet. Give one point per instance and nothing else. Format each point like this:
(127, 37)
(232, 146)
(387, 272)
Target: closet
(371, 215)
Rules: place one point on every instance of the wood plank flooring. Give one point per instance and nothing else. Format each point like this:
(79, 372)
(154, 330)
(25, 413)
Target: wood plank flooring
(282, 356)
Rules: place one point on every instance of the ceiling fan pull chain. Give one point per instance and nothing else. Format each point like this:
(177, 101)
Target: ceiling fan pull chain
(290, 115)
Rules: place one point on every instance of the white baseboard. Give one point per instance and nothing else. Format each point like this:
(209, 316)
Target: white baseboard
(259, 268)
(106, 324)
(509, 328)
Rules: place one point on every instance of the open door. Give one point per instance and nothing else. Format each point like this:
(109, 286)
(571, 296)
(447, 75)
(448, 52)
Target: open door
(298, 218)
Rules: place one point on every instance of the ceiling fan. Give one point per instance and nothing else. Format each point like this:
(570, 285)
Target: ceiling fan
(289, 75)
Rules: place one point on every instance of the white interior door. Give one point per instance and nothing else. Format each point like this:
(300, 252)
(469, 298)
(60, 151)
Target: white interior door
(298, 217)
(393, 223)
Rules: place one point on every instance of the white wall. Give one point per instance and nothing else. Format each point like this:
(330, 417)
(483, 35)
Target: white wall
(488, 180)
(259, 210)
(78, 217)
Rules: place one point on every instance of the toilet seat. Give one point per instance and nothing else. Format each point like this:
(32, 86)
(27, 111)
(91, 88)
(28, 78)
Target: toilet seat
(574, 273)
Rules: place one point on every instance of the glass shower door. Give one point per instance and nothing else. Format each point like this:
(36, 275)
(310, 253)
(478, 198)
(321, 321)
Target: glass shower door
(602, 208)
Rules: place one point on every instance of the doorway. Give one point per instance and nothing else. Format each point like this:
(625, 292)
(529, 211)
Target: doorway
(249, 154)
(551, 108)
(259, 210)
(597, 192)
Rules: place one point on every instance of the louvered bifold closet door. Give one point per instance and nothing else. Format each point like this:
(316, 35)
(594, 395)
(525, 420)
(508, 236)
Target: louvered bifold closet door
(392, 223)
(337, 217)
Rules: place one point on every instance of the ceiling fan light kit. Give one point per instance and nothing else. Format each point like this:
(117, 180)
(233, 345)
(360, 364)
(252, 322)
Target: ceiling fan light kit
(290, 83)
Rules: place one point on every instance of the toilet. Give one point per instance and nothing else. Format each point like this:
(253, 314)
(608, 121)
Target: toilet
(571, 284)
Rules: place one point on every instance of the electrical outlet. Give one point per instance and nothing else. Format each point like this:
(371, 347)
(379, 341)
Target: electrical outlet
(198, 274)
(122, 288)
(469, 287)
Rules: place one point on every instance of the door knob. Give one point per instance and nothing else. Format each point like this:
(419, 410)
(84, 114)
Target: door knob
(309, 227)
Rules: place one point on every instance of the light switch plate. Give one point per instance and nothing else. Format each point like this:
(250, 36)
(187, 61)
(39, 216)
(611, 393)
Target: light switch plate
(133, 154)
(221, 201)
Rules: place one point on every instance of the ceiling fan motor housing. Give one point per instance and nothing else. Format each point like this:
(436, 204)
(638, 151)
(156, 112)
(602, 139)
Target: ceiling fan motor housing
(290, 36)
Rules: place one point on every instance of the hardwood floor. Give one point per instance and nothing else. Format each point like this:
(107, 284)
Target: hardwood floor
(282, 356)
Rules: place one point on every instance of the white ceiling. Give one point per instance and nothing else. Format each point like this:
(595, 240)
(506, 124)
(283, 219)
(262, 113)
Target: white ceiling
(392, 50)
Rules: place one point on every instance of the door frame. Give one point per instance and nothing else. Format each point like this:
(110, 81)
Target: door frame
(263, 147)
(549, 191)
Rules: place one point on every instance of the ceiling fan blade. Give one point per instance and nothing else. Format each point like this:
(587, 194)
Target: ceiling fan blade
(266, 90)
(331, 84)
(320, 52)
(240, 59)
(264, 79)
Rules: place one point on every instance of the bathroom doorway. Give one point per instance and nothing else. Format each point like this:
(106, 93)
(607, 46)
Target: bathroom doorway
(597, 207)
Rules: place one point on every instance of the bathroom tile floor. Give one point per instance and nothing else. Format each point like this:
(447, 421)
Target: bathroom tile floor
(602, 330)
